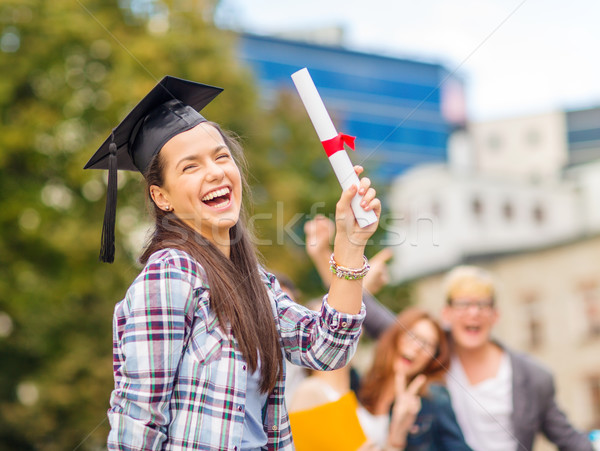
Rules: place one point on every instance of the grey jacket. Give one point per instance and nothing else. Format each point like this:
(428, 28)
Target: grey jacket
(535, 409)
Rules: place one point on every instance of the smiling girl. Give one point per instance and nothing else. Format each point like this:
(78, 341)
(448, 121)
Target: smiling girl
(200, 337)
(404, 388)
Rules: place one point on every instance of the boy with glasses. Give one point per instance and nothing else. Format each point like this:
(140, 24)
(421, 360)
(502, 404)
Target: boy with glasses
(501, 398)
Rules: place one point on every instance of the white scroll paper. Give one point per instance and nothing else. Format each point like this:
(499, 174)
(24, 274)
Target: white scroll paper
(340, 162)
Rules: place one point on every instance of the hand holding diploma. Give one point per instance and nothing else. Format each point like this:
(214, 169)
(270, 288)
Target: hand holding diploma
(357, 212)
(333, 142)
(350, 238)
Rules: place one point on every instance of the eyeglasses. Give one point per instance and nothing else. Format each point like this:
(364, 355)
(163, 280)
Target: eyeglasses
(462, 305)
(424, 345)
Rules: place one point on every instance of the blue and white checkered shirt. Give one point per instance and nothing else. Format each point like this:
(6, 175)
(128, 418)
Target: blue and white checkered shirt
(180, 379)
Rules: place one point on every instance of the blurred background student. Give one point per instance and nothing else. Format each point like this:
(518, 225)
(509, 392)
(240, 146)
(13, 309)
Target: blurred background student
(407, 378)
(502, 398)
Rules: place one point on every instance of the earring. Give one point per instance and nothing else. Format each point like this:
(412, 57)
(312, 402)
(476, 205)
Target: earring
(168, 208)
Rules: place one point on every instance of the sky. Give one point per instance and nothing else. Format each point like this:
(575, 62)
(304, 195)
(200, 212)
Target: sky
(516, 57)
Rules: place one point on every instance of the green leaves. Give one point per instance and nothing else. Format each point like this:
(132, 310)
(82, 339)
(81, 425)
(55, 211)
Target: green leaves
(78, 67)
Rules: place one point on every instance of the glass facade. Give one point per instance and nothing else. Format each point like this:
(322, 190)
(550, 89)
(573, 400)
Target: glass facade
(397, 108)
(583, 135)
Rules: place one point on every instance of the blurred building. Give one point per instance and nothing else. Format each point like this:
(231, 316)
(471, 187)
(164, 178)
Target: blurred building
(509, 185)
(440, 218)
(402, 111)
(529, 148)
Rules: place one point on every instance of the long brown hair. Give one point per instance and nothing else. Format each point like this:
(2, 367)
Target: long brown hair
(381, 373)
(237, 294)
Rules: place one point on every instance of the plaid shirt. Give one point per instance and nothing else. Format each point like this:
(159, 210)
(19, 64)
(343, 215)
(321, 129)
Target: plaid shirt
(180, 379)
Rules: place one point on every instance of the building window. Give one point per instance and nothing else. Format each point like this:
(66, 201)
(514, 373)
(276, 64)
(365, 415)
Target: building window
(539, 215)
(508, 211)
(594, 391)
(590, 296)
(477, 207)
(532, 313)
(436, 209)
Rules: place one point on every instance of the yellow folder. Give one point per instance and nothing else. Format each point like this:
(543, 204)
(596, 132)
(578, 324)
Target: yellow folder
(329, 427)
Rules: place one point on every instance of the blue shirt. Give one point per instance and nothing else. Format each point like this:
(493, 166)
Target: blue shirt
(254, 436)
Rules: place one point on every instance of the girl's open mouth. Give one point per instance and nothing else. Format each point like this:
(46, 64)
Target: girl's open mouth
(218, 198)
(472, 329)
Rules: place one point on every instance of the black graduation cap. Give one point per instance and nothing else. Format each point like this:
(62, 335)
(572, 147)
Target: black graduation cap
(169, 109)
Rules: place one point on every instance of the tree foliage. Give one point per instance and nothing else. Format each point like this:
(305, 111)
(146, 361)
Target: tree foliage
(71, 70)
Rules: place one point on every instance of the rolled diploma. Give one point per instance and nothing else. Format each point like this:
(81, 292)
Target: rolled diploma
(342, 166)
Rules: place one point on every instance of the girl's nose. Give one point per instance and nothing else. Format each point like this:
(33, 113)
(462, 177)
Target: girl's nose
(214, 171)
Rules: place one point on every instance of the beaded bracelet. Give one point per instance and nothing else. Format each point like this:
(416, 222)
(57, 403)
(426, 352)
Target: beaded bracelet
(349, 273)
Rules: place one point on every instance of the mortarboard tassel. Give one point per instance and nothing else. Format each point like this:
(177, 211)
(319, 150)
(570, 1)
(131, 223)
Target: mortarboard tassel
(107, 247)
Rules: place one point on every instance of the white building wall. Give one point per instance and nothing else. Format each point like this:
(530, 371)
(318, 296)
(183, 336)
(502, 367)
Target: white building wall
(532, 147)
(423, 209)
(444, 216)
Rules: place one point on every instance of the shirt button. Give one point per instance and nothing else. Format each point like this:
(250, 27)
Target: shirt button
(344, 324)
(240, 408)
(244, 367)
(274, 427)
(275, 390)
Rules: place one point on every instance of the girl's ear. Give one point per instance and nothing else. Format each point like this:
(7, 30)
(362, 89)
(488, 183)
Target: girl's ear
(160, 198)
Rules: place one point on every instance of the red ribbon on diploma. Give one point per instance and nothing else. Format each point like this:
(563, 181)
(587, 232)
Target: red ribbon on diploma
(336, 143)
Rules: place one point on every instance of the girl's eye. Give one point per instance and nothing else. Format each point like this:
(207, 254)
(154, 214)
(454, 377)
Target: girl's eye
(188, 167)
(223, 155)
